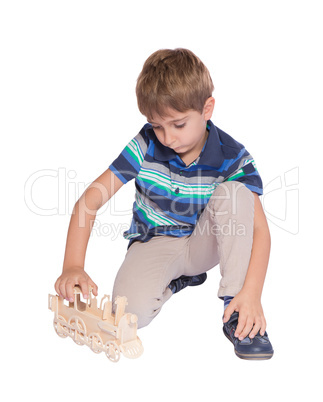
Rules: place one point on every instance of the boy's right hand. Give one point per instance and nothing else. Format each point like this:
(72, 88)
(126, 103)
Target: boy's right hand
(74, 276)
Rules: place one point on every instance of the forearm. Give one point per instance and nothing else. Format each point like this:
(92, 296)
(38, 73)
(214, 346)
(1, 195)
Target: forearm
(258, 263)
(78, 235)
(82, 220)
(84, 214)
(259, 259)
(73, 267)
(248, 301)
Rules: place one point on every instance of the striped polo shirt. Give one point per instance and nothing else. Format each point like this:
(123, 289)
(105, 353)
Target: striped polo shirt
(171, 196)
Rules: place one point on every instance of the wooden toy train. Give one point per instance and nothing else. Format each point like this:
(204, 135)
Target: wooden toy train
(97, 327)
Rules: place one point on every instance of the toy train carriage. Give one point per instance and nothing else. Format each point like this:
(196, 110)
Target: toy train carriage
(97, 327)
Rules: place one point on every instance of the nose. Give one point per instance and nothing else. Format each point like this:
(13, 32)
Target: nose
(168, 139)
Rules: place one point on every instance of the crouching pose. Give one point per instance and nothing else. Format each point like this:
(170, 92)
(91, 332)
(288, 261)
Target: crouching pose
(196, 206)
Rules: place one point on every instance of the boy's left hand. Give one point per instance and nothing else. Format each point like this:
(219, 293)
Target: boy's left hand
(251, 316)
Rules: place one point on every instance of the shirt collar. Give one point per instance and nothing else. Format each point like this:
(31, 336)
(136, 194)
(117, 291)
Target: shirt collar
(211, 154)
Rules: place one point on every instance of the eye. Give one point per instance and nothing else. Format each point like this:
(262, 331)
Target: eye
(180, 125)
(156, 127)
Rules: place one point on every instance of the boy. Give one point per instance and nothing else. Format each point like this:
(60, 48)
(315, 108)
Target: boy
(196, 205)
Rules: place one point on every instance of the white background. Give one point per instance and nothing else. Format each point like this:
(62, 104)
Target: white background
(68, 107)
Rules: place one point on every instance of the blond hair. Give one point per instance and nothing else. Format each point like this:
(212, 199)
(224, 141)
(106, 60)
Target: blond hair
(175, 79)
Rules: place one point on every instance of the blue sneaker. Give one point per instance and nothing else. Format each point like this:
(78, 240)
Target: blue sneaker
(183, 281)
(258, 348)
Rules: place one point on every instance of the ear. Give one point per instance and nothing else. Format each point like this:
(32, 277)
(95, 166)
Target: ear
(208, 108)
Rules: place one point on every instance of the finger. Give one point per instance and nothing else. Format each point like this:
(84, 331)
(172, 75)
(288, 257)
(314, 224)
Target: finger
(70, 290)
(62, 290)
(84, 288)
(263, 327)
(56, 286)
(241, 324)
(95, 288)
(255, 329)
(246, 330)
(228, 312)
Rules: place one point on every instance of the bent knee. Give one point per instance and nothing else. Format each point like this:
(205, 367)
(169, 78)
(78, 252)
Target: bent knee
(144, 307)
(228, 195)
(232, 187)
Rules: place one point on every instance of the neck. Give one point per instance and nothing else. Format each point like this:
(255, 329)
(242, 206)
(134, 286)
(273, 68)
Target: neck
(190, 156)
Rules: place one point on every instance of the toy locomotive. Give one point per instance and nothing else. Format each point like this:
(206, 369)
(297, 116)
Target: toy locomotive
(97, 327)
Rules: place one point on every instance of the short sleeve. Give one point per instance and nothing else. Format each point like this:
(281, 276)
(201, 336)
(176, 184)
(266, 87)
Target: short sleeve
(127, 165)
(247, 173)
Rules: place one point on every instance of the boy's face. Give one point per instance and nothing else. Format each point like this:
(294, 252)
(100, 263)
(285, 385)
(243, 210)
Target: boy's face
(184, 132)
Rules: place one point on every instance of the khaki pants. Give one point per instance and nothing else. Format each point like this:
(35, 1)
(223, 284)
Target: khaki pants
(223, 234)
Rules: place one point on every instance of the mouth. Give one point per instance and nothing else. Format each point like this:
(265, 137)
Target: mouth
(176, 149)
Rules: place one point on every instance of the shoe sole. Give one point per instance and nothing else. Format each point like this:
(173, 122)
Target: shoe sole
(256, 356)
(260, 356)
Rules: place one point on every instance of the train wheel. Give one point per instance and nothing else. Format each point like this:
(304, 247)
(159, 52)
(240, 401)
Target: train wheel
(96, 343)
(59, 327)
(112, 351)
(78, 330)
